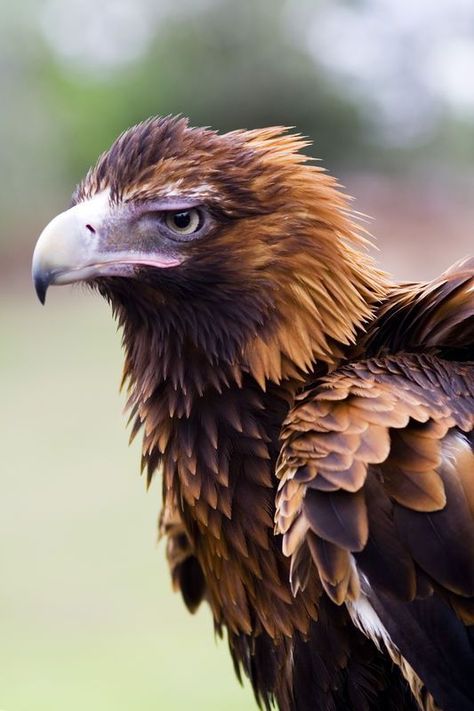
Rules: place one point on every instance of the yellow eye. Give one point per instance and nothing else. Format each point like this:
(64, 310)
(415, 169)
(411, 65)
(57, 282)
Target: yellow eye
(184, 222)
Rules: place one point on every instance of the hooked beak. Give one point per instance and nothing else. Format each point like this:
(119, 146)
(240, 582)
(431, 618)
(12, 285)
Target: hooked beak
(88, 241)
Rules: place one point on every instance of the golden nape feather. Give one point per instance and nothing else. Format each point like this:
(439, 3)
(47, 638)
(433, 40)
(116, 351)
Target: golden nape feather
(311, 420)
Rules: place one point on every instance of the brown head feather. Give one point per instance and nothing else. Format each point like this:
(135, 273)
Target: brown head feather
(279, 283)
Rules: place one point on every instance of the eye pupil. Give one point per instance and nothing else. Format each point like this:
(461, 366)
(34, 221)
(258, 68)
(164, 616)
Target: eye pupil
(182, 219)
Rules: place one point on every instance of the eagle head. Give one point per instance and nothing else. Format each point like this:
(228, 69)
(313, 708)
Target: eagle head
(233, 246)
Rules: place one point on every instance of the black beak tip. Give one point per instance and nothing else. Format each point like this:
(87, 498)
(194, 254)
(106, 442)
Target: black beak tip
(41, 283)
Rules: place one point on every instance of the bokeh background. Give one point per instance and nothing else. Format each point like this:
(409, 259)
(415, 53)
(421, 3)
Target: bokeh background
(386, 91)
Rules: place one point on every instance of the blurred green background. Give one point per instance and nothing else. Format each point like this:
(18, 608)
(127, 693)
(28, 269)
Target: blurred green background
(385, 90)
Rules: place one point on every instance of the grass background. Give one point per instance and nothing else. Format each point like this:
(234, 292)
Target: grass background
(87, 614)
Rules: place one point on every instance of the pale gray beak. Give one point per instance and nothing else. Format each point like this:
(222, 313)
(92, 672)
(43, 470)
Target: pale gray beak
(91, 239)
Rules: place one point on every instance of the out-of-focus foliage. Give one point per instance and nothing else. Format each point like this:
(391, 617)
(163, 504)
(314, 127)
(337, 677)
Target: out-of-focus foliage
(373, 84)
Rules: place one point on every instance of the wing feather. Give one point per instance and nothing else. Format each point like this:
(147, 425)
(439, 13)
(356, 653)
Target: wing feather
(436, 315)
(384, 485)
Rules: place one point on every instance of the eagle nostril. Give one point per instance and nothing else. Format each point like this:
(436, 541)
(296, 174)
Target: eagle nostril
(91, 229)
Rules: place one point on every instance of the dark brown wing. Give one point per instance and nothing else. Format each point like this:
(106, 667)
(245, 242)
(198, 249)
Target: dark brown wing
(377, 485)
(437, 315)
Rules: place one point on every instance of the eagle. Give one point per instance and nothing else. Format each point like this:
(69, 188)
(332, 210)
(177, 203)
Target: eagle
(311, 420)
